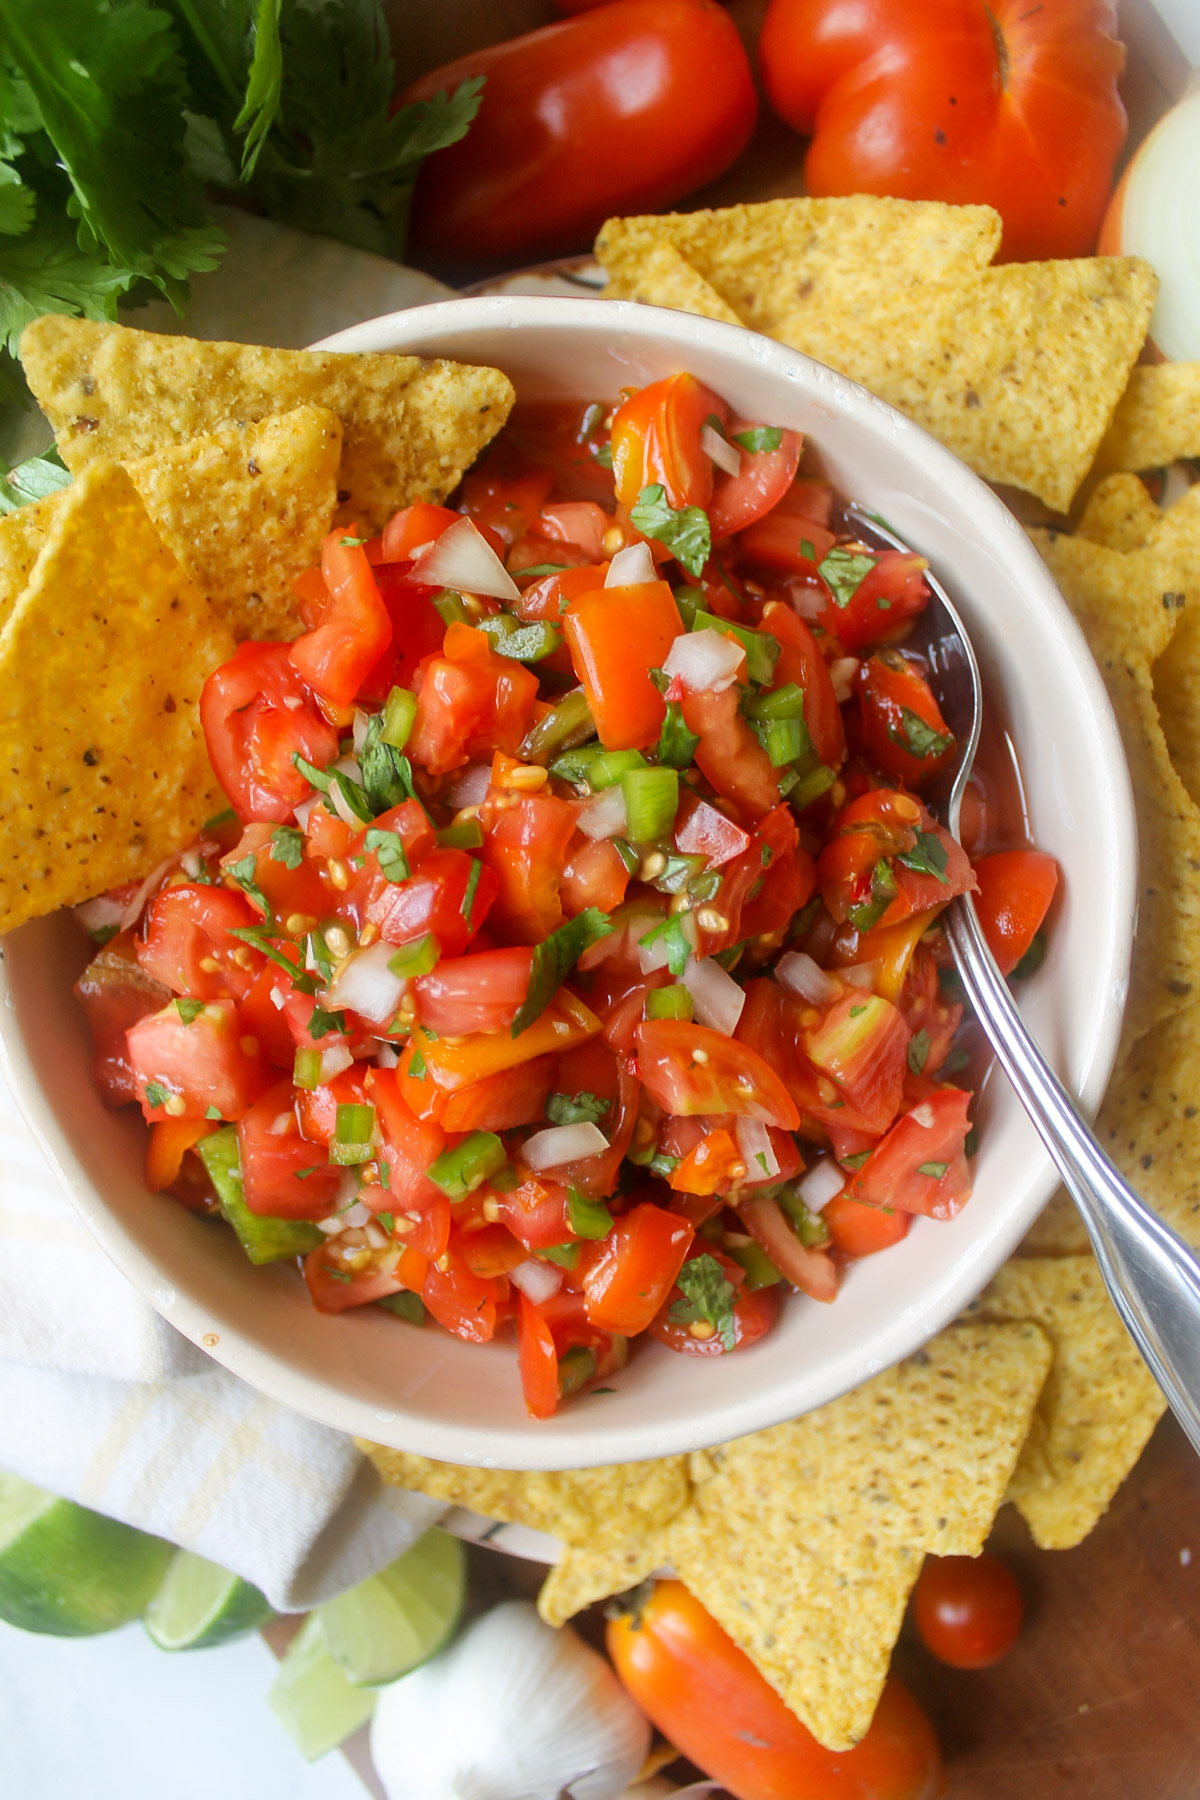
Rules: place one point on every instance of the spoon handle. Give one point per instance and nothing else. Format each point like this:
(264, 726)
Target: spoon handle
(1151, 1274)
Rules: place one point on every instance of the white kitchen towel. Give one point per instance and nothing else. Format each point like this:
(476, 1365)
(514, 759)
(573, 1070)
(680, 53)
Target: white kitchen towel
(100, 1399)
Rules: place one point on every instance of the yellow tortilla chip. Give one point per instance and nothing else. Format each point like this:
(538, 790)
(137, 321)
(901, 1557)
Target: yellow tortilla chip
(581, 1577)
(1157, 419)
(1177, 671)
(1120, 514)
(806, 1540)
(1150, 1121)
(594, 1509)
(1058, 1230)
(666, 278)
(22, 534)
(101, 664)
(1128, 606)
(1098, 1407)
(410, 426)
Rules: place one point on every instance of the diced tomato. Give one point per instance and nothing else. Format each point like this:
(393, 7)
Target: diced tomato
(499, 1102)
(207, 1062)
(593, 875)
(536, 1213)
(702, 829)
(893, 592)
(931, 1018)
(920, 1166)
(454, 1065)
(474, 993)
(904, 732)
(524, 850)
(616, 636)
(1015, 891)
(656, 439)
(728, 753)
(627, 1275)
(800, 661)
(410, 1145)
(754, 1313)
(713, 1166)
(505, 494)
(807, 1269)
(286, 890)
(413, 527)
(862, 871)
(579, 522)
(437, 898)
(861, 1043)
(470, 702)
(861, 1230)
(537, 1359)
(787, 877)
(783, 544)
(464, 1303)
(257, 713)
(760, 483)
(169, 1142)
(316, 1108)
(187, 947)
(284, 1175)
(691, 1069)
(417, 630)
(549, 597)
(486, 1249)
(265, 1020)
(354, 630)
(334, 1286)
(115, 992)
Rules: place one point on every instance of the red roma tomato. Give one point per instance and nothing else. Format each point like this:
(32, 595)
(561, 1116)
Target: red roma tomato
(417, 629)
(524, 849)
(207, 1061)
(859, 1230)
(537, 1360)
(410, 1146)
(706, 1696)
(186, 927)
(510, 1097)
(354, 630)
(1006, 104)
(710, 1167)
(787, 543)
(729, 753)
(919, 1166)
(702, 829)
(115, 993)
(470, 702)
(413, 527)
(656, 438)
(536, 1213)
(888, 595)
(620, 111)
(692, 1069)
(968, 1609)
(904, 732)
(761, 482)
(594, 875)
(332, 1287)
(435, 898)
(272, 1160)
(861, 1043)
(474, 993)
(1015, 891)
(627, 1275)
(616, 635)
(256, 712)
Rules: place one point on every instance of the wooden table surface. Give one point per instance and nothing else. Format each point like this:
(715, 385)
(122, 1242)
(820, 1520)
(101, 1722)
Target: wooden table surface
(1100, 1700)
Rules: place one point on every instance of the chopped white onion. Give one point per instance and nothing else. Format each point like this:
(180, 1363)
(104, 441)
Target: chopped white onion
(754, 1142)
(463, 559)
(801, 975)
(809, 602)
(842, 672)
(657, 955)
(366, 985)
(705, 661)
(563, 1144)
(630, 566)
(305, 809)
(861, 975)
(347, 1191)
(387, 1056)
(133, 911)
(717, 1000)
(335, 1060)
(100, 913)
(191, 862)
(603, 816)
(538, 1281)
(727, 456)
(342, 807)
(355, 1216)
(278, 1000)
(330, 1226)
(821, 1184)
(470, 785)
(922, 1115)
(361, 722)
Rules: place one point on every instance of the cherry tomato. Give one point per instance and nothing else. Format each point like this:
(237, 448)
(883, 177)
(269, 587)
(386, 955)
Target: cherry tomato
(860, 1041)
(627, 1275)
(656, 438)
(622, 110)
(354, 629)
(968, 1609)
(616, 636)
(1006, 104)
(692, 1069)
(706, 1696)
(256, 713)
(1014, 895)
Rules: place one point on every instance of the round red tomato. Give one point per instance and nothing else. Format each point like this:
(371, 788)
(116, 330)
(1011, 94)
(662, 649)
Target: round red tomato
(256, 714)
(1005, 103)
(968, 1609)
(656, 438)
(622, 110)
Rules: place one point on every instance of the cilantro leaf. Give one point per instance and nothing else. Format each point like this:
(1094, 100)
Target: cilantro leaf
(928, 856)
(264, 85)
(188, 1009)
(684, 530)
(553, 960)
(576, 1109)
(257, 936)
(32, 480)
(321, 1023)
(760, 439)
(935, 1170)
(677, 745)
(417, 1066)
(243, 873)
(468, 899)
(844, 572)
(287, 846)
(708, 1296)
(156, 1094)
(212, 1112)
(46, 271)
(677, 947)
(919, 1047)
(389, 852)
(386, 772)
(918, 738)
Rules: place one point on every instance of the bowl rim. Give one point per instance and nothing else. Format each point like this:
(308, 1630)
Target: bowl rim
(409, 331)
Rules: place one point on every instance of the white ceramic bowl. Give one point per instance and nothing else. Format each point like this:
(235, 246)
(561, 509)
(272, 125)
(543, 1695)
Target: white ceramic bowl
(428, 1392)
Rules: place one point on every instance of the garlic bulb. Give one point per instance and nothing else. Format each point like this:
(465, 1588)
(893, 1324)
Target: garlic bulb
(512, 1711)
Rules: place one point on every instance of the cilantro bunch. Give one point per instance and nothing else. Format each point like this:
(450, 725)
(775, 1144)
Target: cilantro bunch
(117, 117)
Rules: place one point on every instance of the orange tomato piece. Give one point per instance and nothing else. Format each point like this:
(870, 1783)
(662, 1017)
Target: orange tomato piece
(616, 636)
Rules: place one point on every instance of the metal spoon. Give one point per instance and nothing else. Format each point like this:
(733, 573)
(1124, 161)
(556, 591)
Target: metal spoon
(1151, 1274)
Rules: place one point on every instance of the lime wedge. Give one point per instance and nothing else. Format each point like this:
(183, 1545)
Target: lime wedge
(311, 1697)
(200, 1604)
(389, 1623)
(68, 1571)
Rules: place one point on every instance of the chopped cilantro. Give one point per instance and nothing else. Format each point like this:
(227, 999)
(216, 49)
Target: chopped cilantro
(243, 873)
(856, 1161)
(212, 1112)
(257, 936)
(416, 1065)
(956, 1061)
(287, 846)
(677, 745)
(684, 530)
(809, 549)
(677, 947)
(389, 851)
(587, 1218)
(387, 1220)
(662, 1165)
(228, 817)
(934, 1170)
(918, 1051)
(553, 960)
(1033, 958)
(760, 439)
(468, 899)
(603, 455)
(927, 857)
(918, 738)
(351, 543)
(576, 1109)
(856, 1012)
(317, 778)
(156, 1094)
(189, 1009)
(542, 569)
(708, 1296)
(322, 1023)
(844, 572)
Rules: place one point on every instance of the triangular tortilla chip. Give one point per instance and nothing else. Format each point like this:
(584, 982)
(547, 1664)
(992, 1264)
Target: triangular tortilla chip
(1119, 514)
(411, 426)
(101, 665)
(1157, 419)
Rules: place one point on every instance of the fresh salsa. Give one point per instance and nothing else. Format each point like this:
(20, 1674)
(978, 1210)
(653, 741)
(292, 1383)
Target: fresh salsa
(567, 965)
